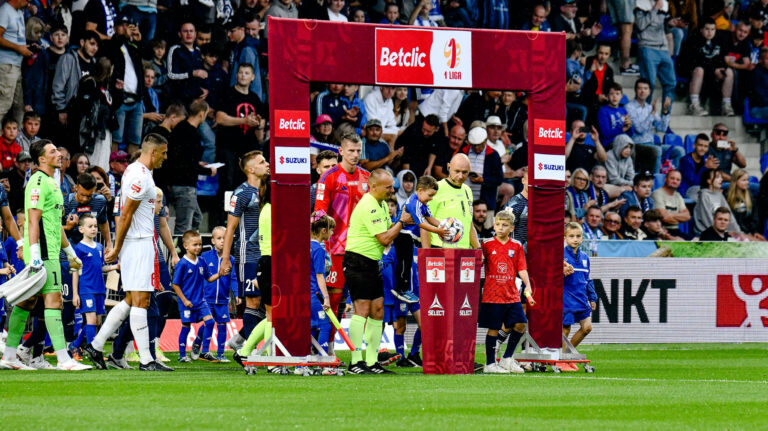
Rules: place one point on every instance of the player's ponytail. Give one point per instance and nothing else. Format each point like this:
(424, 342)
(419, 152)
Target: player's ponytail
(320, 220)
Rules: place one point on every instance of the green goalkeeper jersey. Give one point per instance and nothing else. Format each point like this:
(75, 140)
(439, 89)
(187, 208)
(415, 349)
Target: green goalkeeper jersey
(43, 193)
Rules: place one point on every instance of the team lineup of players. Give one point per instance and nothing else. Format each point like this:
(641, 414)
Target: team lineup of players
(363, 247)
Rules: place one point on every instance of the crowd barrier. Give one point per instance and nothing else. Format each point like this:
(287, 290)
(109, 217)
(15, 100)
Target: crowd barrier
(686, 300)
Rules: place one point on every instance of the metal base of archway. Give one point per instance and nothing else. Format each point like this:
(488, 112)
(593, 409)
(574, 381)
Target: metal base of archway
(302, 51)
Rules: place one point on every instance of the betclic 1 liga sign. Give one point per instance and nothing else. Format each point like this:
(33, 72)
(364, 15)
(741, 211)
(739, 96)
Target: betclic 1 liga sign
(424, 57)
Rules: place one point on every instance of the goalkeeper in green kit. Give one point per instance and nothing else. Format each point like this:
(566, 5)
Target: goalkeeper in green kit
(43, 242)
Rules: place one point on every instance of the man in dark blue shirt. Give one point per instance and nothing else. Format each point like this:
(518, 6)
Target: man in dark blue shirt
(376, 153)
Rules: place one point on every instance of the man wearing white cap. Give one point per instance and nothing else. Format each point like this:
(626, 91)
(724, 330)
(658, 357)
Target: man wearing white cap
(495, 128)
(485, 174)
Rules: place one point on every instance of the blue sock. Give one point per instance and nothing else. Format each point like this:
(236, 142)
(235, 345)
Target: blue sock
(514, 338)
(324, 334)
(221, 338)
(124, 337)
(251, 318)
(152, 326)
(400, 344)
(90, 332)
(490, 349)
(199, 338)
(416, 342)
(207, 334)
(183, 341)
(80, 338)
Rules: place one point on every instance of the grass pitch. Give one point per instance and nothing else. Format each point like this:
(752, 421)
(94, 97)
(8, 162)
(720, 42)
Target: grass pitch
(694, 386)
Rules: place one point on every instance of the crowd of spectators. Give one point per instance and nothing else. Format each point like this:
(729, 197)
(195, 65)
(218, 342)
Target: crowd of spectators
(97, 75)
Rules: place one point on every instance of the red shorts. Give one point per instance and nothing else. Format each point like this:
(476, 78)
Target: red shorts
(335, 278)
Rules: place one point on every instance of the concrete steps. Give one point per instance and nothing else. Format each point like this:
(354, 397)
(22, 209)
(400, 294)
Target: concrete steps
(683, 124)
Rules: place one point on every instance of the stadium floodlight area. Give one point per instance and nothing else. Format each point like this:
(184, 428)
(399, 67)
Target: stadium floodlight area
(302, 51)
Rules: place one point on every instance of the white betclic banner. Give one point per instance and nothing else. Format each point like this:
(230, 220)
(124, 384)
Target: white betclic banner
(679, 300)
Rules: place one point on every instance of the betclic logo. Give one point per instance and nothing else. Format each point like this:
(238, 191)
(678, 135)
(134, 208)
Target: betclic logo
(549, 132)
(424, 57)
(291, 124)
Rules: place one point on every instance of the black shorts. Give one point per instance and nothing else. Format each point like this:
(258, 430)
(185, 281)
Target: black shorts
(264, 277)
(492, 315)
(363, 277)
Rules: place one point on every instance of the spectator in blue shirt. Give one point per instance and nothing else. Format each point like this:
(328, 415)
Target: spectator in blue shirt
(612, 118)
(645, 119)
(376, 152)
(693, 164)
(538, 21)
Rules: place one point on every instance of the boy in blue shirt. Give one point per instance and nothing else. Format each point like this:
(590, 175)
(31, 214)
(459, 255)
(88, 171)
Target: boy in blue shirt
(579, 297)
(613, 119)
(217, 294)
(189, 277)
(6, 271)
(416, 206)
(88, 288)
(321, 230)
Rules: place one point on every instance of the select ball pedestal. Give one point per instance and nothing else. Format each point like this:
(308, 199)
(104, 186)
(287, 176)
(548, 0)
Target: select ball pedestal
(449, 291)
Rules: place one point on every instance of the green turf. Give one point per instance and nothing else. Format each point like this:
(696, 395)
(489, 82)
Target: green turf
(635, 387)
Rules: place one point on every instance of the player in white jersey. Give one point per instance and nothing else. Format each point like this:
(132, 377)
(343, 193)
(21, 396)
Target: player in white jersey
(134, 244)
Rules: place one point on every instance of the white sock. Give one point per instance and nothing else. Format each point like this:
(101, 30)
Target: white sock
(140, 330)
(727, 100)
(694, 98)
(114, 319)
(10, 353)
(62, 356)
(238, 339)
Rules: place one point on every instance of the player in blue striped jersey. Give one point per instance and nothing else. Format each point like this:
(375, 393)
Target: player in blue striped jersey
(241, 240)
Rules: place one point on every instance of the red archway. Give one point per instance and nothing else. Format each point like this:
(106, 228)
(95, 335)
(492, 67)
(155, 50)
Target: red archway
(302, 51)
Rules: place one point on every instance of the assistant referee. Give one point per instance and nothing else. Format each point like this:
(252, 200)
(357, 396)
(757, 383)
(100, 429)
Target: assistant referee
(370, 231)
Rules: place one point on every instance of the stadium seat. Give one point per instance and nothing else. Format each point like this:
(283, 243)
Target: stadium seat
(656, 139)
(609, 33)
(763, 163)
(624, 100)
(673, 140)
(689, 141)
(749, 120)
(658, 180)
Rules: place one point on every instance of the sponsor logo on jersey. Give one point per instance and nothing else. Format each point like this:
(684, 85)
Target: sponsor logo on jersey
(436, 309)
(34, 197)
(291, 124)
(84, 209)
(549, 132)
(136, 187)
(232, 203)
(424, 57)
(466, 307)
(549, 167)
